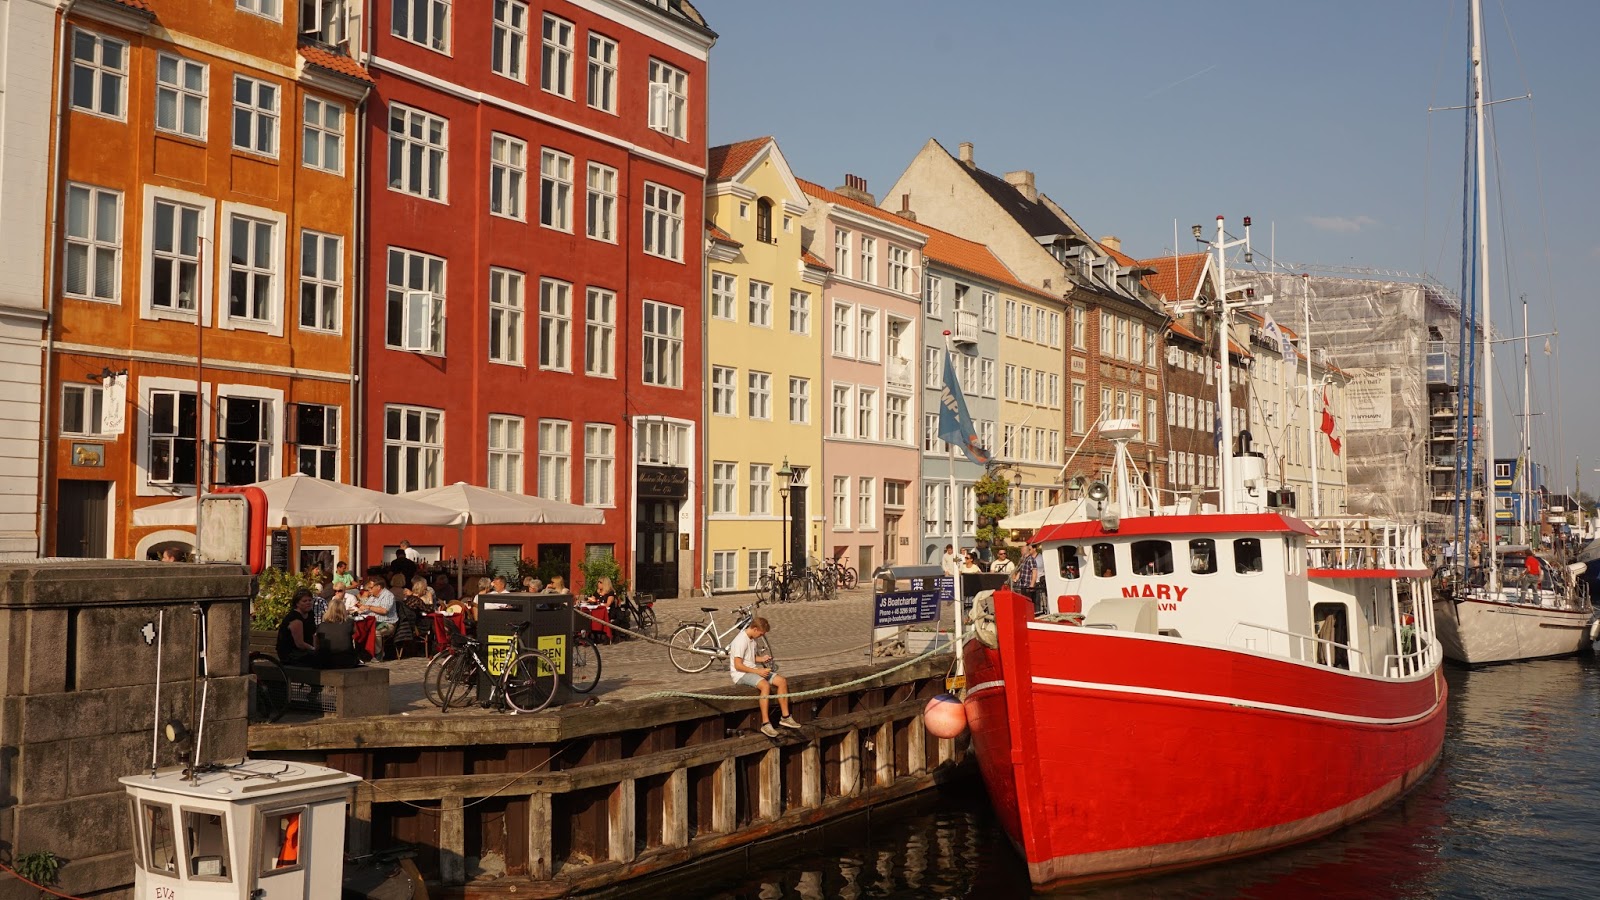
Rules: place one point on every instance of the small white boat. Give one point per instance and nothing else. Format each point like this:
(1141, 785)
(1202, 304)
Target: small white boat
(1507, 615)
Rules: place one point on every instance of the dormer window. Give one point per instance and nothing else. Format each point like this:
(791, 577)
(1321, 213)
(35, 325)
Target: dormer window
(764, 220)
(323, 21)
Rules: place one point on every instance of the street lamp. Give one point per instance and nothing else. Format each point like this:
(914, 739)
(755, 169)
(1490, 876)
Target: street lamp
(787, 474)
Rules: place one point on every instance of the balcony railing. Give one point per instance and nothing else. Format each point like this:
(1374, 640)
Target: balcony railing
(966, 330)
(899, 371)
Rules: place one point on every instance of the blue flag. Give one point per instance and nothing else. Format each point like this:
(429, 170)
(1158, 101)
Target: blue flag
(955, 425)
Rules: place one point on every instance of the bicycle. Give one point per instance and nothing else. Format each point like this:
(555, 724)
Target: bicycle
(527, 683)
(694, 646)
(639, 615)
(846, 576)
(585, 663)
(270, 689)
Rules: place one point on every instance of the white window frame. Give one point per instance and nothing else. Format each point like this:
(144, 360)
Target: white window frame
(92, 398)
(557, 37)
(600, 221)
(555, 325)
(506, 304)
(724, 290)
(101, 253)
(759, 308)
(430, 454)
(260, 111)
(555, 460)
(555, 189)
(986, 310)
(317, 453)
(866, 502)
(799, 312)
(204, 208)
(724, 566)
(420, 310)
(724, 391)
(149, 388)
(867, 334)
(843, 330)
(600, 332)
(426, 137)
(323, 129)
(433, 32)
(669, 99)
(841, 502)
(266, 9)
(322, 278)
(724, 488)
(899, 269)
(506, 448)
(842, 420)
(760, 489)
(799, 400)
(599, 465)
(93, 66)
(180, 91)
(509, 40)
(869, 259)
(841, 253)
(275, 223)
(935, 298)
(758, 395)
(663, 348)
(268, 439)
(508, 177)
(663, 221)
(602, 84)
(896, 418)
(866, 415)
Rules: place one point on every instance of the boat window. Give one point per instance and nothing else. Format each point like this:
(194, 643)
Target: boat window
(1203, 556)
(1152, 558)
(138, 839)
(1105, 559)
(281, 840)
(158, 838)
(1247, 555)
(1291, 555)
(1069, 563)
(206, 840)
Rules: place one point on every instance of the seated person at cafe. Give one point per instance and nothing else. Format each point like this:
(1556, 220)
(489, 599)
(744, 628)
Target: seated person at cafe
(532, 585)
(557, 585)
(497, 585)
(294, 632)
(444, 590)
(403, 565)
(604, 594)
(419, 596)
(336, 648)
(342, 578)
(378, 601)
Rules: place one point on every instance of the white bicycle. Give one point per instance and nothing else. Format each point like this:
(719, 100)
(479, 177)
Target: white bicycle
(694, 646)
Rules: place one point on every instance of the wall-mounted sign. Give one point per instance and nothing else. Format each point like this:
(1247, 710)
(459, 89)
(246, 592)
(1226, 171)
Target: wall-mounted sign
(664, 481)
(279, 555)
(89, 454)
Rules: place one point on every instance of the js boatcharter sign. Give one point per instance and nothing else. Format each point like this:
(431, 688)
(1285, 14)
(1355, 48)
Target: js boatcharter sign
(905, 608)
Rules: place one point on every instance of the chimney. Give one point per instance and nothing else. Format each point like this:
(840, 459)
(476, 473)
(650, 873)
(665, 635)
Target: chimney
(905, 211)
(855, 187)
(966, 155)
(1023, 182)
(1112, 242)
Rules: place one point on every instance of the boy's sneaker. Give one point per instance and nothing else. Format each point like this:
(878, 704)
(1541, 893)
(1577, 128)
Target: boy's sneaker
(788, 722)
(768, 730)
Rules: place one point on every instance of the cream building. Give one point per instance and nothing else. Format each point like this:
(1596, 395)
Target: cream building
(764, 387)
(1286, 423)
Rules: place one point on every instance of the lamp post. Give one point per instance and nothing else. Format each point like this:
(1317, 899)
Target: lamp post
(787, 474)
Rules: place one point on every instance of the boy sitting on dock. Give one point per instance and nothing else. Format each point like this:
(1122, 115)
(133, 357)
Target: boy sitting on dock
(751, 670)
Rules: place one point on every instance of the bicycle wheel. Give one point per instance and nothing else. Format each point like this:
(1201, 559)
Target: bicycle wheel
(271, 693)
(585, 665)
(647, 623)
(431, 676)
(458, 681)
(530, 681)
(827, 588)
(764, 586)
(691, 648)
(848, 578)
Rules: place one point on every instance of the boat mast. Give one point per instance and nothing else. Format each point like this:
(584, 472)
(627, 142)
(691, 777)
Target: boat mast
(1527, 444)
(1224, 398)
(1311, 415)
(1483, 288)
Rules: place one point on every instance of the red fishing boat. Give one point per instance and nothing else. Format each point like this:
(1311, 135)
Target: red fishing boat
(1201, 685)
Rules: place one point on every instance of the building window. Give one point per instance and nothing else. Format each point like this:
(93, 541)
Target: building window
(413, 447)
(841, 501)
(669, 99)
(417, 145)
(841, 329)
(505, 453)
(932, 369)
(425, 22)
(867, 414)
(252, 269)
(508, 172)
(1122, 338)
(759, 396)
(894, 494)
(82, 408)
(663, 222)
(799, 312)
(600, 329)
(930, 508)
(505, 316)
(723, 564)
(930, 433)
(316, 440)
(760, 304)
(99, 74)
(869, 259)
(180, 96)
(986, 310)
(866, 502)
(841, 253)
(759, 562)
(508, 54)
(867, 328)
(555, 460)
(415, 302)
(321, 268)
(1080, 413)
(175, 256)
(255, 116)
(760, 489)
(724, 488)
(322, 136)
(935, 297)
(555, 190)
(555, 325)
(599, 465)
(173, 417)
(1008, 442)
(602, 198)
(244, 433)
(93, 250)
(899, 269)
(602, 73)
(841, 410)
(723, 286)
(799, 400)
(1136, 343)
(663, 344)
(764, 221)
(986, 377)
(896, 417)
(265, 8)
(1011, 317)
(1080, 317)
(723, 379)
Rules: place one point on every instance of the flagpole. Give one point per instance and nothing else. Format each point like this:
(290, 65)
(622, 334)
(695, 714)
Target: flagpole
(1305, 308)
(957, 510)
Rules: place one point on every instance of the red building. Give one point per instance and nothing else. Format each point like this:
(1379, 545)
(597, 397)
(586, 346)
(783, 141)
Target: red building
(534, 267)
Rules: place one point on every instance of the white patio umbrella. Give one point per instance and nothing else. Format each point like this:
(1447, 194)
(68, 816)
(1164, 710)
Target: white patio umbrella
(299, 500)
(486, 506)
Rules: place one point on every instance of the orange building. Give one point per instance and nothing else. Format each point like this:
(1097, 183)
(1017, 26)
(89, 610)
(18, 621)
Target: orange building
(205, 208)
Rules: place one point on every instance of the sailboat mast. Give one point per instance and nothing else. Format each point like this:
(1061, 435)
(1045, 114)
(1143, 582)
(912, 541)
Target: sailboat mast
(1483, 288)
(1527, 444)
(1224, 392)
(1311, 405)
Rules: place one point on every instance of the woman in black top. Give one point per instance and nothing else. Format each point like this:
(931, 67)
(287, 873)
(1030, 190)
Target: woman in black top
(336, 639)
(294, 632)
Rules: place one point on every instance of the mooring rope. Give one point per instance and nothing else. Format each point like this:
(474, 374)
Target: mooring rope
(717, 653)
(802, 695)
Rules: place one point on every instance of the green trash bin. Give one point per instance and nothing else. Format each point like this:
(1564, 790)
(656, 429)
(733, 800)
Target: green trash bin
(550, 627)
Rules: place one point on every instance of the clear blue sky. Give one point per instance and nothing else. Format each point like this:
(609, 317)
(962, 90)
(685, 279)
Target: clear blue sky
(1310, 116)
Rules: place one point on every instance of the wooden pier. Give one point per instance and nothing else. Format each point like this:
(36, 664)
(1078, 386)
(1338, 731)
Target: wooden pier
(581, 799)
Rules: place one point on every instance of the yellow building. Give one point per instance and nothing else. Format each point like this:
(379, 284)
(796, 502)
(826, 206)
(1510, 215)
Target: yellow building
(763, 367)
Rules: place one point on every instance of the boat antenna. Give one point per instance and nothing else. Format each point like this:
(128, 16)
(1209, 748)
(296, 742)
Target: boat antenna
(155, 714)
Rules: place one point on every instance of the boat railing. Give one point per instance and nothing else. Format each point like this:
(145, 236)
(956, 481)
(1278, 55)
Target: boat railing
(1404, 665)
(1358, 542)
(1297, 646)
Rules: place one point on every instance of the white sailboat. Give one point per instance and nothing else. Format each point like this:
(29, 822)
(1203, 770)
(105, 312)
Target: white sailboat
(1517, 603)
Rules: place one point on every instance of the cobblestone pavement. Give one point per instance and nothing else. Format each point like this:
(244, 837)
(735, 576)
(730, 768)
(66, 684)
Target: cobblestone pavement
(834, 631)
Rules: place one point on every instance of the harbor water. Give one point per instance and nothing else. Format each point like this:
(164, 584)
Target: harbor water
(1512, 810)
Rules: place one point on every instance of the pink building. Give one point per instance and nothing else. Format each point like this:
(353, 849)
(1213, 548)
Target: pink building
(867, 495)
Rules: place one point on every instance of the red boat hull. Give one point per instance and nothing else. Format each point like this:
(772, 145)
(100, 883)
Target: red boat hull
(1110, 754)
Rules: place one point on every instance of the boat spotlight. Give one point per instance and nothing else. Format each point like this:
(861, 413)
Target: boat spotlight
(1098, 491)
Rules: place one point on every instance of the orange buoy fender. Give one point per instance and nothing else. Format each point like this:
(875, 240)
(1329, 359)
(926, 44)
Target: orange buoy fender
(944, 717)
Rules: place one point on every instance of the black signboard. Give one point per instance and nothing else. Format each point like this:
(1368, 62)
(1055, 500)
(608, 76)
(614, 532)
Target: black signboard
(671, 482)
(278, 558)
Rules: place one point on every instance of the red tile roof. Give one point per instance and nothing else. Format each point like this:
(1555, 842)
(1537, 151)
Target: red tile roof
(1123, 259)
(822, 193)
(1183, 331)
(811, 259)
(140, 5)
(337, 63)
(1175, 277)
(717, 234)
(975, 258)
(724, 162)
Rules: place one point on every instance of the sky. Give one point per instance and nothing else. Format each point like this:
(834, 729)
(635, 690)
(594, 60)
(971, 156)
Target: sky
(1312, 118)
